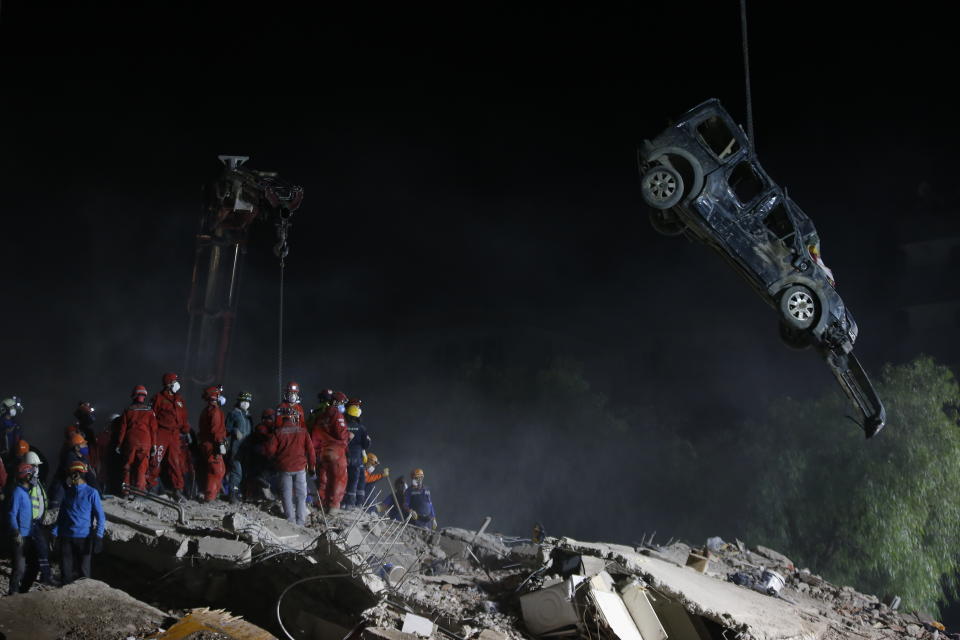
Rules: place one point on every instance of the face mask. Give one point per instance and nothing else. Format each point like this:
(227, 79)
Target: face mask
(244, 405)
(294, 398)
(85, 451)
(341, 408)
(13, 412)
(221, 400)
(370, 469)
(415, 484)
(175, 387)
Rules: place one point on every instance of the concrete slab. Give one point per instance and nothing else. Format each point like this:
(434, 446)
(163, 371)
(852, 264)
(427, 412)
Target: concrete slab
(232, 553)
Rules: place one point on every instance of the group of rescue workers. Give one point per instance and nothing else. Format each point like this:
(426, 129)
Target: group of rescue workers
(151, 447)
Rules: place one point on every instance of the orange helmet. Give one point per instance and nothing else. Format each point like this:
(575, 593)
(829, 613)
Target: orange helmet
(77, 440)
(78, 466)
(416, 473)
(22, 448)
(373, 459)
(69, 431)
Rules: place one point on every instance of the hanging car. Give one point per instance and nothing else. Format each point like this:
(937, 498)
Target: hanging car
(701, 178)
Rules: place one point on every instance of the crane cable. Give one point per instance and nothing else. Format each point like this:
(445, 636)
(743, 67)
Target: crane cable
(280, 333)
(746, 73)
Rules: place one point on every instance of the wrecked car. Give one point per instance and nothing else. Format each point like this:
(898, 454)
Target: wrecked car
(701, 179)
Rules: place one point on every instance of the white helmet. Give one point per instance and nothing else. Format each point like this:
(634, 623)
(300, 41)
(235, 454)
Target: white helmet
(32, 458)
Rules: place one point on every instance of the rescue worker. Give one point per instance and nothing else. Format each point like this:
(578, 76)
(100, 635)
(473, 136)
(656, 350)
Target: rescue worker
(389, 506)
(78, 450)
(330, 438)
(417, 502)
(80, 525)
(18, 456)
(324, 398)
(258, 475)
(10, 430)
(292, 453)
(356, 451)
(137, 439)
(172, 424)
(105, 463)
(213, 437)
(238, 429)
(370, 478)
(20, 522)
(86, 415)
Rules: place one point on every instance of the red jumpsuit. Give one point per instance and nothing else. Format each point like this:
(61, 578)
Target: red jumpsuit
(330, 438)
(138, 434)
(213, 432)
(172, 421)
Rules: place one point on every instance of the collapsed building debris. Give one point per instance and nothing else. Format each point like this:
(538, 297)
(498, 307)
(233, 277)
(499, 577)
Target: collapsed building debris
(355, 574)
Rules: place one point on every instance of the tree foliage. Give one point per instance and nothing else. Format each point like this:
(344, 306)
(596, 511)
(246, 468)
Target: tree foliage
(881, 515)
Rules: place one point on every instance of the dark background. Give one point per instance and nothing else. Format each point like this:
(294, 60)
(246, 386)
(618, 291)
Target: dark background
(472, 204)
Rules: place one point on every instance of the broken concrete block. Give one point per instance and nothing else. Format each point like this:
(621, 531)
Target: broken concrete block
(550, 609)
(417, 625)
(378, 633)
(490, 634)
(698, 562)
(641, 610)
(232, 552)
(602, 582)
(592, 566)
(774, 556)
(615, 614)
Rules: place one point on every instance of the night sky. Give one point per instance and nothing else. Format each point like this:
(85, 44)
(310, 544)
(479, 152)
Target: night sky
(471, 197)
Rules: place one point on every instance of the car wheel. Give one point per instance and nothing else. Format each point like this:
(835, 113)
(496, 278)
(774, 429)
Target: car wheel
(799, 307)
(662, 187)
(666, 223)
(794, 338)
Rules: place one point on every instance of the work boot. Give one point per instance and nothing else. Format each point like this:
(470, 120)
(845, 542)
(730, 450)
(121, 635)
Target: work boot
(178, 496)
(235, 497)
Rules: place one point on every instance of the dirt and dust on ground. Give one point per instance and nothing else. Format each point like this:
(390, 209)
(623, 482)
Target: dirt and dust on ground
(361, 575)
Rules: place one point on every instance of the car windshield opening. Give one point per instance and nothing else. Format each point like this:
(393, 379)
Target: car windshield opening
(745, 182)
(778, 222)
(715, 133)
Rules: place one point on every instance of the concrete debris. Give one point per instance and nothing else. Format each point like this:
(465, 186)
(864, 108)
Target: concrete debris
(360, 575)
(218, 622)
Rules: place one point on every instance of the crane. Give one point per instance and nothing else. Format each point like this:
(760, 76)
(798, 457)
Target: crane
(236, 199)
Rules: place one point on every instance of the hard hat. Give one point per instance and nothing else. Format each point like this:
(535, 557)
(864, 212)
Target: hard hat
(84, 410)
(13, 402)
(25, 470)
(354, 410)
(32, 458)
(354, 402)
(77, 440)
(416, 473)
(211, 393)
(292, 387)
(245, 395)
(325, 396)
(339, 397)
(373, 459)
(138, 391)
(69, 431)
(78, 466)
(170, 378)
(268, 414)
(22, 448)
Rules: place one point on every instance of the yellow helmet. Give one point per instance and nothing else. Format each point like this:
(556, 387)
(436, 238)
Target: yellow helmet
(354, 410)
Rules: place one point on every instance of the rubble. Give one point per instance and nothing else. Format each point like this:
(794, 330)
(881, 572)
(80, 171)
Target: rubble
(358, 574)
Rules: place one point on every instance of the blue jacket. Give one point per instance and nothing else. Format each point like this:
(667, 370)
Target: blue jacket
(238, 423)
(359, 442)
(419, 500)
(21, 512)
(80, 506)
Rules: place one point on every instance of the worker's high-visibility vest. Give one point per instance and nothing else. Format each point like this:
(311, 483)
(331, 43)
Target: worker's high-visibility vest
(38, 500)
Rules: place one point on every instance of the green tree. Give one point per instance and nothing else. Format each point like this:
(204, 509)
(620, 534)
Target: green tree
(881, 515)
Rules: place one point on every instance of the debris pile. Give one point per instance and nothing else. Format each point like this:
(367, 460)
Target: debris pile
(362, 575)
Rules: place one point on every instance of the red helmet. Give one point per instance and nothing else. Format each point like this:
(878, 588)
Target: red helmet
(292, 387)
(25, 471)
(268, 415)
(170, 378)
(138, 391)
(211, 393)
(69, 431)
(355, 402)
(78, 466)
(84, 410)
(339, 397)
(325, 396)
(23, 448)
(77, 440)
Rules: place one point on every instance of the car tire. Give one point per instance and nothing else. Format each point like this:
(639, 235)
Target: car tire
(661, 186)
(666, 223)
(799, 307)
(794, 338)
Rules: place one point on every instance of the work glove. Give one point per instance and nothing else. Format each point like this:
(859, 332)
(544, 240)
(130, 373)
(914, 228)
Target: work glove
(223, 449)
(364, 457)
(413, 515)
(433, 524)
(386, 471)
